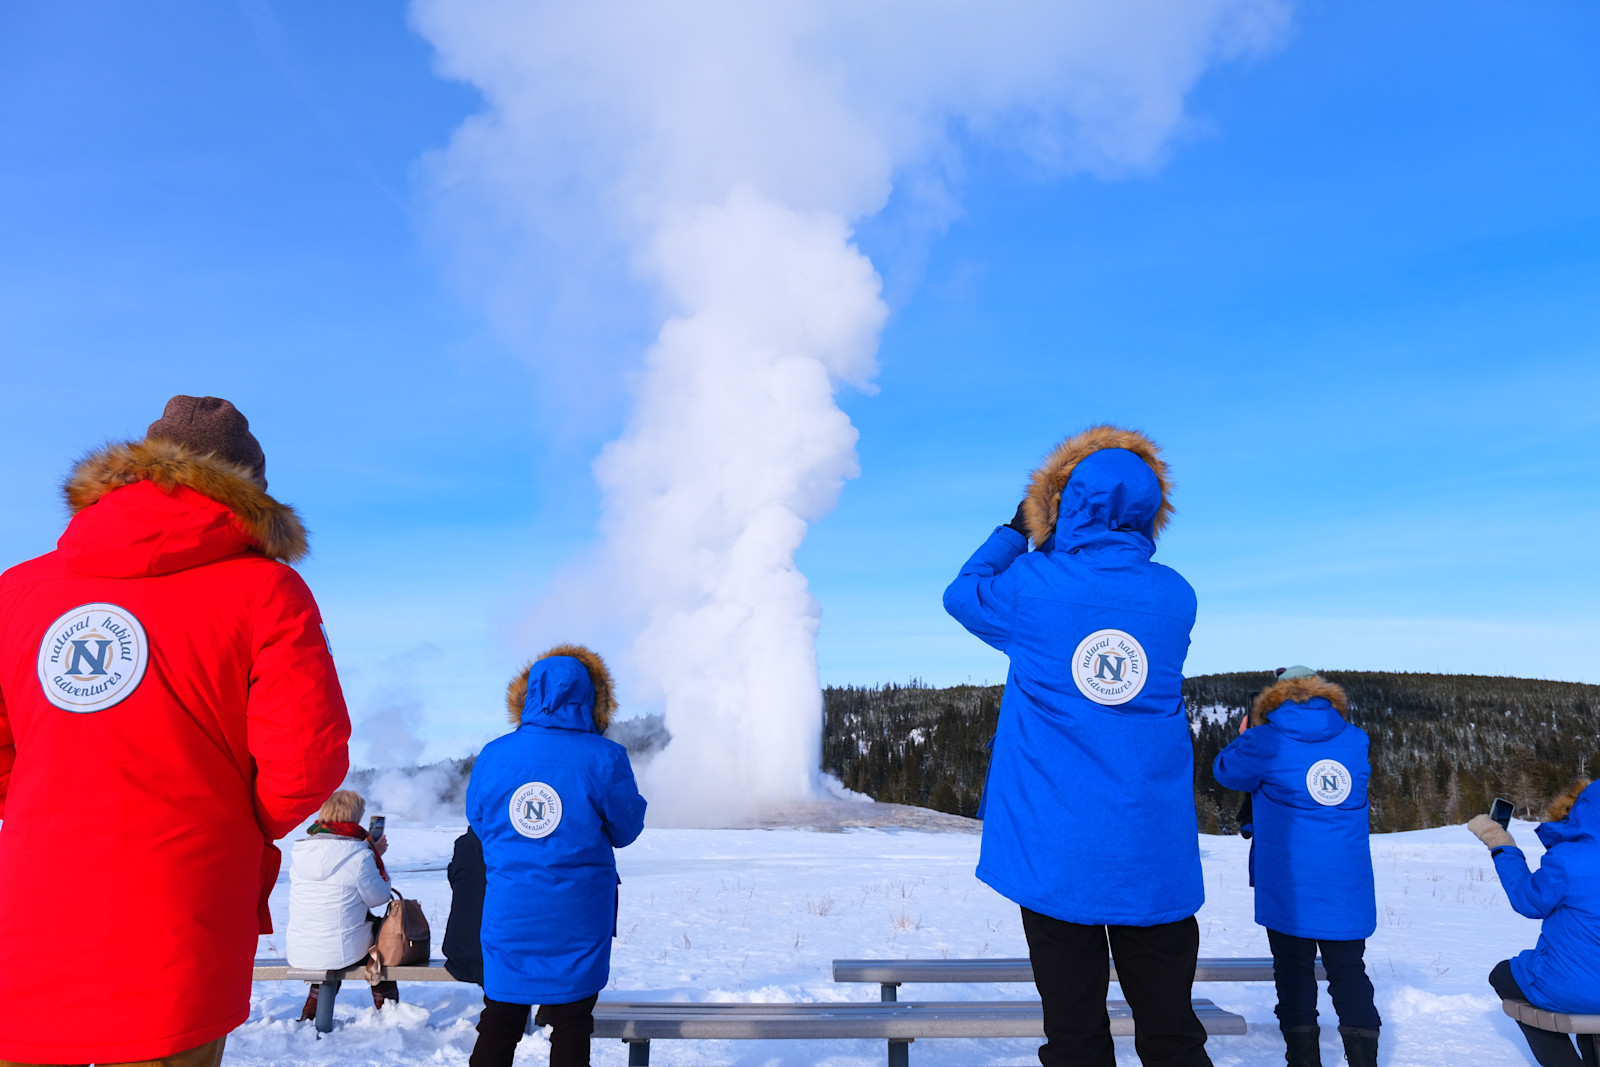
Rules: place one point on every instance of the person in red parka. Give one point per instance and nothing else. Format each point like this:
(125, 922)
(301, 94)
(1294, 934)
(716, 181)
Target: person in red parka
(168, 709)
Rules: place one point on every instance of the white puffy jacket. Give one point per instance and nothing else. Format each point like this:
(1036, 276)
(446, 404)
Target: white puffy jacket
(332, 882)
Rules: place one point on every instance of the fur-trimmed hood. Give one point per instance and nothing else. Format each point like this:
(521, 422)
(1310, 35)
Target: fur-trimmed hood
(1561, 806)
(562, 691)
(274, 528)
(1042, 505)
(1297, 691)
(1573, 816)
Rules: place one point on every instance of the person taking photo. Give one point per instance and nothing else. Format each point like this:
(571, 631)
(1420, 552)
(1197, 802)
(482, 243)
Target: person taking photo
(1092, 723)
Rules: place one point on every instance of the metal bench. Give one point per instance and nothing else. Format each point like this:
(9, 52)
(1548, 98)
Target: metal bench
(1580, 1026)
(639, 1023)
(898, 1023)
(279, 971)
(891, 974)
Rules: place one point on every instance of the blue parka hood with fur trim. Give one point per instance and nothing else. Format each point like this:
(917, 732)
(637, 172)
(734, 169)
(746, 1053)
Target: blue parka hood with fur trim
(1092, 722)
(1562, 972)
(1307, 769)
(550, 801)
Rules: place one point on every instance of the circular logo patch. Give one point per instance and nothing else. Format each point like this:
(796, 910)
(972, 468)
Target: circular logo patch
(535, 810)
(1109, 667)
(1328, 782)
(92, 657)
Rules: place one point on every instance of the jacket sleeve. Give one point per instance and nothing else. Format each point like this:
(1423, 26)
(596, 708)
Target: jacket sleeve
(299, 729)
(622, 808)
(1238, 767)
(372, 886)
(8, 754)
(982, 598)
(1533, 894)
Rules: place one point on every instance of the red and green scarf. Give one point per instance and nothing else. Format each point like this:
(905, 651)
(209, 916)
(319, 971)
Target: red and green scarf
(353, 830)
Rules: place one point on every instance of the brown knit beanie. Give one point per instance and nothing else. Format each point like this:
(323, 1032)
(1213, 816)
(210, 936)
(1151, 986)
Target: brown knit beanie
(212, 427)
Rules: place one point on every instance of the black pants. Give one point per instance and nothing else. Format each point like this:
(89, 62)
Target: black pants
(1155, 965)
(1294, 972)
(501, 1026)
(1549, 1048)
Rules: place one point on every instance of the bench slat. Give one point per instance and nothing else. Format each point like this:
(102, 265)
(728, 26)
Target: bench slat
(905, 972)
(271, 970)
(906, 1020)
(1555, 1021)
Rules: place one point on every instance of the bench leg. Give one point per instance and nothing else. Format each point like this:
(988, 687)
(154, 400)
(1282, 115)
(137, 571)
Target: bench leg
(888, 992)
(1589, 1049)
(327, 993)
(900, 1052)
(638, 1053)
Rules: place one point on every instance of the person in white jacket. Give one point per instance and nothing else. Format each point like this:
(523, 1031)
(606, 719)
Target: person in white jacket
(335, 875)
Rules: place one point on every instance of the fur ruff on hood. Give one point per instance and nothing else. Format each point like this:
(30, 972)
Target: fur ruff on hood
(605, 691)
(1561, 806)
(275, 528)
(1043, 502)
(1297, 691)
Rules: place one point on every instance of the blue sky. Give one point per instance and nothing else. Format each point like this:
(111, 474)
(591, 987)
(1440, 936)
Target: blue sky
(1358, 304)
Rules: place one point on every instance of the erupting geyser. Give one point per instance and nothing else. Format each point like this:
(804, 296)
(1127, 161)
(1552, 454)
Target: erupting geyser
(724, 149)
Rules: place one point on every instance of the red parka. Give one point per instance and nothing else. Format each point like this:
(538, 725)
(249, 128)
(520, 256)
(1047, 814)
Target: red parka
(168, 708)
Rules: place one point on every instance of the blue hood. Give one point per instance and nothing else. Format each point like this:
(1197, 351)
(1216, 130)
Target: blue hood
(1579, 824)
(1312, 720)
(560, 696)
(1110, 501)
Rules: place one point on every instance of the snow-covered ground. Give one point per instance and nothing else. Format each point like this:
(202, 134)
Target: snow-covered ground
(758, 914)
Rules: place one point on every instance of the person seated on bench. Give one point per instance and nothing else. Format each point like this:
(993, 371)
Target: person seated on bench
(463, 942)
(1092, 728)
(1561, 974)
(549, 802)
(1304, 770)
(335, 875)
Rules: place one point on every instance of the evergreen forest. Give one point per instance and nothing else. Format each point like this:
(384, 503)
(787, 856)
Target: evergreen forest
(1443, 746)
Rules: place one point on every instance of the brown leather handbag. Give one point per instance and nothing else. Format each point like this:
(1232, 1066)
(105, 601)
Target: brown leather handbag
(403, 938)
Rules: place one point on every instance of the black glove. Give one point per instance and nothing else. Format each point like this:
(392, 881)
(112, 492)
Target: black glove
(1019, 521)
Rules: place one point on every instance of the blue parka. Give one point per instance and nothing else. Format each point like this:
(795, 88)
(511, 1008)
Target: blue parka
(1307, 770)
(1092, 728)
(1562, 973)
(550, 801)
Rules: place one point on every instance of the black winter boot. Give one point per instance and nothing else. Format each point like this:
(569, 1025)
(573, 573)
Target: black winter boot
(1305, 1049)
(1360, 1046)
(383, 991)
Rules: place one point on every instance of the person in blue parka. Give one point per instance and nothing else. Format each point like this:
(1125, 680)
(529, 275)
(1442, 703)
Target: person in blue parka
(1311, 857)
(1092, 728)
(1561, 973)
(549, 802)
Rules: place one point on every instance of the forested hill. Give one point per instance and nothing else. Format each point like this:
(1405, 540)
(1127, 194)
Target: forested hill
(1443, 746)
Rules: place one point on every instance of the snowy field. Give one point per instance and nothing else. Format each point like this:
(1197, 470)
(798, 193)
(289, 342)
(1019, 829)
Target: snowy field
(759, 914)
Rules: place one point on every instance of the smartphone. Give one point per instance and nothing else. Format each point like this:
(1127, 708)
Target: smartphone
(1500, 812)
(375, 827)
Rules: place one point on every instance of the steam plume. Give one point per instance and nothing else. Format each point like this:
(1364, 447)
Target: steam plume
(721, 150)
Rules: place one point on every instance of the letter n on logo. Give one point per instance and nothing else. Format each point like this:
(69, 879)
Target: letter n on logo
(96, 660)
(1330, 783)
(533, 810)
(1110, 667)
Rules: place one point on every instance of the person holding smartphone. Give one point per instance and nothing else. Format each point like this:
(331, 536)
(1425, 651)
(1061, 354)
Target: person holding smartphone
(336, 873)
(1305, 770)
(1093, 721)
(1562, 972)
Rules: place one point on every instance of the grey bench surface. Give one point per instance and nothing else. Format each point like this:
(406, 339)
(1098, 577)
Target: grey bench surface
(270, 970)
(905, 972)
(895, 1021)
(1559, 1022)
